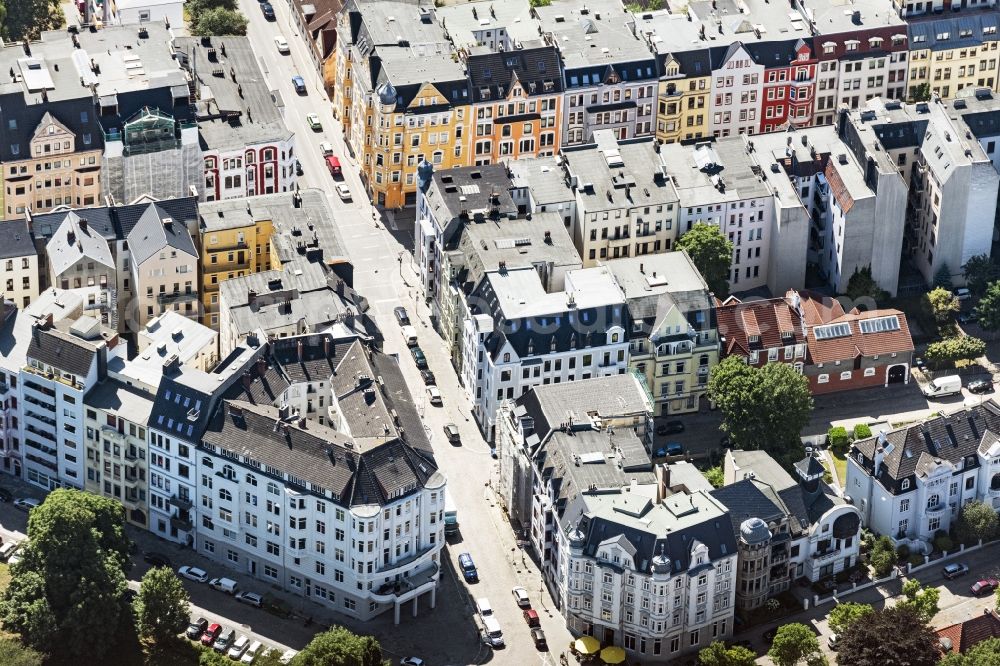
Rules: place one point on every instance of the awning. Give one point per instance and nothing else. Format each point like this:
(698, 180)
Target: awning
(587, 645)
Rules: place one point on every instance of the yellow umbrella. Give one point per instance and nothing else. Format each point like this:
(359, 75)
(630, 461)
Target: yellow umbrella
(587, 645)
(613, 655)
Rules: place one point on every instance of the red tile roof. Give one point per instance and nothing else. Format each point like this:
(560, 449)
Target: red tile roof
(766, 318)
(857, 342)
(975, 630)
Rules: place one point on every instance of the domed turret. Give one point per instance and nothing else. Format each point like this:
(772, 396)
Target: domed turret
(661, 563)
(425, 171)
(387, 94)
(753, 531)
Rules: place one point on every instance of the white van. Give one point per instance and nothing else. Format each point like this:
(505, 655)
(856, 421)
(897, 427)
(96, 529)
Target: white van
(942, 386)
(492, 634)
(226, 585)
(410, 335)
(484, 607)
(8, 549)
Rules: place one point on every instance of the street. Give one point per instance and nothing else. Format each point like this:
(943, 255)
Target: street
(384, 274)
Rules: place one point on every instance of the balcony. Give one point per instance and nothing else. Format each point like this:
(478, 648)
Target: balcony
(180, 503)
(936, 509)
(407, 588)
(182, 524)
(169, 296)
(409, 563)
(825, 555)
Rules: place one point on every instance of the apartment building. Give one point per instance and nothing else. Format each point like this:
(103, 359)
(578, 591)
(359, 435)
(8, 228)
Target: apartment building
(787, 527)
(496, 26)
(610, 74)
(716, 184)
(862, 54)
(164, 265)
(674, 343)
(19, 260)
(79, 256)
(952, 182)
(296, 299)
(518, 335)
(617, 402)
(365, 477)
(684, 88)
(247, 148)
(64, 360)
(625, 204)
(912, 8)
(911, 482)
(948, 54)
(762, 331)
(317, 22)
(115, 421)
(517, 99)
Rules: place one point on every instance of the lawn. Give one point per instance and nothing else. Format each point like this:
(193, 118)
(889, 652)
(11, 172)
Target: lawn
(840, 462)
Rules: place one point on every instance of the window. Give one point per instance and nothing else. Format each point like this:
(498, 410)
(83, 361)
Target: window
(904, 505)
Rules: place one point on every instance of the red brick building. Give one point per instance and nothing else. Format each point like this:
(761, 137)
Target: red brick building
(834, 349)
(789, 88)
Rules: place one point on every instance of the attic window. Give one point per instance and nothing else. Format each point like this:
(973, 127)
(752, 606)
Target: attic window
(487, 73)
(541, 65)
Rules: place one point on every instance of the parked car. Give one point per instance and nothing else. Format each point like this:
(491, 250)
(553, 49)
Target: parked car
(968, 317)
(267, 10)
(468, 568)
(483, 607)
(419, 358)
(412, 661)
(400, 313)
(282, 45)
(26, 503)
(239, 647)
(343, 191)
(670, 428)
(156, 559)
(196, 628)
(227, 585)
(671, 449)
(521, 597)
(251, 653)
(223, 642)
(531, 617)
(452, 434)
(312, 119)
(538, 636)
(984, 586)
(980, 386)
(326, 148)
(5, 495)
(210, 634)
(962, 294)
(287, 656)
(193, 573)
(918, 361)
(428, 377)
(434, 396)
(251, 598)
(954, 570)
(8, 549)
(299, 84)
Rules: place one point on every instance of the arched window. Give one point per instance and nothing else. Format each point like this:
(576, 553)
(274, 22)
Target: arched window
(252, 480)
(225, 495)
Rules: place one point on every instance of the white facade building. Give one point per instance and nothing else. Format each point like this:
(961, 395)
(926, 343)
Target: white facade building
(737, 91)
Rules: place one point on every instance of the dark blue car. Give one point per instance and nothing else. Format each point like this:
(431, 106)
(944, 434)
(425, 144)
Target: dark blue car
(468, 568)
(267, 10)
(300, 84)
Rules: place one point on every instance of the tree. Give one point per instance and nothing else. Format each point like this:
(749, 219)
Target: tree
(863, 285)
(894, 635)
(844, 615)
(985, 653)
(715, 477)
(67, 595)
(220, 21)
(13, 653)
(942, 304)
(161, 607)
(942, 279)
(921, 92)
(340, 646)
(980, 271)
(793, 643)
(717, 654)
(196, 7)
(883, 557)
(711, 253)
(988, 308)
(977, 521)
(923, 600)
(839, 441)
(27, 19)
(763, 407)
(958, 348)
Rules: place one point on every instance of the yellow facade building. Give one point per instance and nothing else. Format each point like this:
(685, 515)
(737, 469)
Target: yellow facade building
(682, 106)
(949, 54)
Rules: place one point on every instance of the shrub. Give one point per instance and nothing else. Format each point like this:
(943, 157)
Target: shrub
(903, 552)
(838, 438)
(943, 543)
(862, 431)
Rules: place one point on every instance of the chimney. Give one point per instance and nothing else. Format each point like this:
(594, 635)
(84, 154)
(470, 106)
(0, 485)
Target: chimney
(82, 224)
(326, 346)
(302, 423)
(252, 298)
(71, 237)
(247, 380)
(261, 367)
(641, 269)
(168, 222)
(301, 349)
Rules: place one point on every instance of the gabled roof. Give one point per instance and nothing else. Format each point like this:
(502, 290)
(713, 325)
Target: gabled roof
(767, 319)
(61, 350)
(156, 231)
(961, 637)
(75, 240)
(532, 68)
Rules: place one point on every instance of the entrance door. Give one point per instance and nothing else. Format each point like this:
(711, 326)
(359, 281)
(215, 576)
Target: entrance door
(897, 374)
(609, 636)
(253, 567)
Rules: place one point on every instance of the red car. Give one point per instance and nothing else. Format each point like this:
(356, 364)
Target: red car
(211, 634)
(531, 617)
(985, 586)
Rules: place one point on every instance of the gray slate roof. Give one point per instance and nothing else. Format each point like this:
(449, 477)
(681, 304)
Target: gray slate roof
(16, 239)
(62, 350)
(152, 234)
